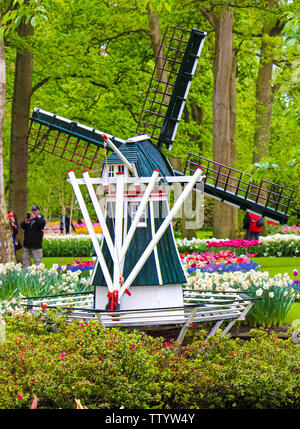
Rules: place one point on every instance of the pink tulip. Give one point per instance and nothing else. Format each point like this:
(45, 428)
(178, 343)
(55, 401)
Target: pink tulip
(34, 403)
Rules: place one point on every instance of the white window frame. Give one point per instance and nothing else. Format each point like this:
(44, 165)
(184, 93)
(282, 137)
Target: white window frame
(142, 223)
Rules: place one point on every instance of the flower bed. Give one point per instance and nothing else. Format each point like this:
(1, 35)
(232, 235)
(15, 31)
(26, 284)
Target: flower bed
(69, 245)
(273, 245)
(276, 294)
(53, 228)
(274, 228)
(77, 266)
(16, 283)
(223, 261)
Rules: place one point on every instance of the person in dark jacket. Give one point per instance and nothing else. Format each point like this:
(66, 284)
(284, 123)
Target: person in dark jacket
(33, 227)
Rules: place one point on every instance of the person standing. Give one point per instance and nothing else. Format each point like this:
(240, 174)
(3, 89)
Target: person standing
(14, 227)
(65, 222)
(33, 227)
(255, 226)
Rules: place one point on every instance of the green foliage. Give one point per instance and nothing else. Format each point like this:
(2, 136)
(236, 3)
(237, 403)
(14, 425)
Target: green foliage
(93, 62)
(68, 246)
(108, 368)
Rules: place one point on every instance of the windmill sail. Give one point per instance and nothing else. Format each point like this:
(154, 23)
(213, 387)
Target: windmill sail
(234, 187)
(169, 86)
(68, 140)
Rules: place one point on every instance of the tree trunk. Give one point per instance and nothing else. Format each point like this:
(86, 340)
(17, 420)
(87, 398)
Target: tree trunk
(18, 177)
(223, 214)
(233, 120)
(6, 243)
(264, 101)
(197, 117)
(264, 90)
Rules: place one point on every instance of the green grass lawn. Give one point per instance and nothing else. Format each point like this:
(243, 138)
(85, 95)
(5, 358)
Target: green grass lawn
(279, 265)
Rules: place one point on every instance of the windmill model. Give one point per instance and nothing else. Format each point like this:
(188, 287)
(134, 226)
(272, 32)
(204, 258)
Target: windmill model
(138, 265)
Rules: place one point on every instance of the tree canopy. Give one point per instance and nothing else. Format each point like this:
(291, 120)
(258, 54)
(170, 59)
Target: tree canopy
(92, 63)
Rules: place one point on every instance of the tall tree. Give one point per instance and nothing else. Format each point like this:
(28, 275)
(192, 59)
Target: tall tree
(224, 107)
(264, 90)
(6, 244)
(18, 172)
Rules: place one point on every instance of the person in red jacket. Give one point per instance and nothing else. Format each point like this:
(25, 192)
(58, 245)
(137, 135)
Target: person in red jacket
(255, 226)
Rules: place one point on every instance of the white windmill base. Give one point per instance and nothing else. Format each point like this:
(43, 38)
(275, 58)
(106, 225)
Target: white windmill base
(147, 297)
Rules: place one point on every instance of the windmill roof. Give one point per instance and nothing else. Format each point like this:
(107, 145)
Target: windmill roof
(146, 157)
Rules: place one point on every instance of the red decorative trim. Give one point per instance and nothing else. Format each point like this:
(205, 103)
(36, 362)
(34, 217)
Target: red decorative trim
(127, 291)
(84, 171)
(70, 171)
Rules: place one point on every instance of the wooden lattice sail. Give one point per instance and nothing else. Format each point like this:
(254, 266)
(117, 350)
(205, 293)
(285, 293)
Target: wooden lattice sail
(232, 186)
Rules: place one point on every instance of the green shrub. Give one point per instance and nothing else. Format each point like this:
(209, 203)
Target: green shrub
(56, 361)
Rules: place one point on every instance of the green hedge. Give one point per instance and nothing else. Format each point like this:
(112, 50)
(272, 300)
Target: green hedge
(108, 368)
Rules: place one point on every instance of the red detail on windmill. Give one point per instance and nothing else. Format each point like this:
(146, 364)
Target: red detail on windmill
(113, 300)
(104, 136)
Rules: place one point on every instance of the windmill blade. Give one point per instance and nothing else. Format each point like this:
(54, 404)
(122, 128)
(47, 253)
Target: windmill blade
(68, 140)
(169, 86)
(234, 187)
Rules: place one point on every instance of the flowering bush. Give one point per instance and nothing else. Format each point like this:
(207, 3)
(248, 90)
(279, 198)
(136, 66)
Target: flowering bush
(53, 362)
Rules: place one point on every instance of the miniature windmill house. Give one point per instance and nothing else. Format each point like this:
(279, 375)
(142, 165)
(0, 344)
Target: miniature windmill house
(138, 265)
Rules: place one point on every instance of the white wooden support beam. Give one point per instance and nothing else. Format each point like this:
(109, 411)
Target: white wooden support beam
(90, 228)
(118, 229)
(139, 212)
(160, 231)
(118, 152)
(156, 258)
(99, 213)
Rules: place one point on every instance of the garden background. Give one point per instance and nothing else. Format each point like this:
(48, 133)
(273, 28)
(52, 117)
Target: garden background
(91, 62)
